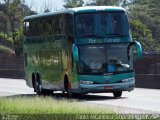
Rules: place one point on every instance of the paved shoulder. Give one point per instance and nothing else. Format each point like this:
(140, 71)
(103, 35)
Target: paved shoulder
(14, 86)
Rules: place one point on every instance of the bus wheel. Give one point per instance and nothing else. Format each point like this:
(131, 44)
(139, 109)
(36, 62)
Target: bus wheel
(117, 94)
(67, 86)
(69, 94)
(34, 82)
(39, 89)
(38, 85)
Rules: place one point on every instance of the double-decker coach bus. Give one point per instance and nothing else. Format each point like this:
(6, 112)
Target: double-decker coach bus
(80, 50)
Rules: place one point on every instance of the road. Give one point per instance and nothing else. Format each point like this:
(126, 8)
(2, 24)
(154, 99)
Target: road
(138, 101)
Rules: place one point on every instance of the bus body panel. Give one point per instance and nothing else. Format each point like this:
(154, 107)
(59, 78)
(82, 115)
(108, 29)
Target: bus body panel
(49, 59)
(104, 88)
(105, 79)
(97, 83)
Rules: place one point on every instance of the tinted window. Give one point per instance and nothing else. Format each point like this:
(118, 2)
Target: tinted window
(26, 28)
(50, 25)
(68, 24)
(85, 24)
(102, 24)
(114, 23)
(111, 58)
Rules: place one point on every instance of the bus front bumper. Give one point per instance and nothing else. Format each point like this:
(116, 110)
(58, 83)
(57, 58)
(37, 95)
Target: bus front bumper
(102, 88)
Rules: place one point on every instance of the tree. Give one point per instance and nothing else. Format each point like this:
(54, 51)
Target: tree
(73, 3)
(3, 24)
(147, 12)
(13, 13)
(144, 35)
(18, 40)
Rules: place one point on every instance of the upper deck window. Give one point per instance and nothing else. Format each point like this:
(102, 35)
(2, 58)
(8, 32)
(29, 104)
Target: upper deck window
(102, 23)
(59, 24)
(113, 23)
(85, 24)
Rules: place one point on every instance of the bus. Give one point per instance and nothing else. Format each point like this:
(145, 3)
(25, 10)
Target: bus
(80, 50)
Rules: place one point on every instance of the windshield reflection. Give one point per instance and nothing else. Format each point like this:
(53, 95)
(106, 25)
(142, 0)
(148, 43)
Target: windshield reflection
(109, 58)
(92, 58)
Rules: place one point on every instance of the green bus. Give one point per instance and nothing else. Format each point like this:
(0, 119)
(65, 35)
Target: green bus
(80, 50)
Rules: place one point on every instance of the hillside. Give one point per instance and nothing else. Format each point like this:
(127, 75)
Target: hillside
(145, 23)
(6, 45)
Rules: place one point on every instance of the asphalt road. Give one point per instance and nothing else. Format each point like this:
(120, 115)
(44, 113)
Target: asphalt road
(138, 101)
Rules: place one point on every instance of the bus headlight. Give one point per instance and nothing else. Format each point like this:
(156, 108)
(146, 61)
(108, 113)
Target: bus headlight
(128, 80)
(86, 82)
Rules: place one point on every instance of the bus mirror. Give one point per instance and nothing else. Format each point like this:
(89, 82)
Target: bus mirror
(138, 50)
(75, 53)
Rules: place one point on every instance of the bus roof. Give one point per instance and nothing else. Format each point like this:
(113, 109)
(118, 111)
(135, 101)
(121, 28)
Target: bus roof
(86, 9)
(97, 8)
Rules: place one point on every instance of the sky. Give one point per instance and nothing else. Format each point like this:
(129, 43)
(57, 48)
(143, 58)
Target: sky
(39, 5)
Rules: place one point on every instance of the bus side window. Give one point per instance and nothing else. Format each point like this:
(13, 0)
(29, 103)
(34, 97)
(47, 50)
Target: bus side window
(68, 23)
(53, 25)
(32, 28)
(25, 57)
(57, 24)
(26, 28)
(49, 25)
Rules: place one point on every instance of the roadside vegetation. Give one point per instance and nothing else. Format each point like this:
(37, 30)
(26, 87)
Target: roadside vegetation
(48, 108)
(46, 105)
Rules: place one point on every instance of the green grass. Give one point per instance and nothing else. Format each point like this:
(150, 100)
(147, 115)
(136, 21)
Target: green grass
(46, 105)
(7, 38)
(42, 108)
(49, 108)
(6, 49)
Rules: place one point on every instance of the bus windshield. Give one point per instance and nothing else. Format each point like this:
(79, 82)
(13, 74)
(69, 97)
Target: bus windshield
(104, 23)
(108, 58)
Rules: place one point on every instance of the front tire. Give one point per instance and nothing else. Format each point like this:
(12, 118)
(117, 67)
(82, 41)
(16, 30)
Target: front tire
(117, 94)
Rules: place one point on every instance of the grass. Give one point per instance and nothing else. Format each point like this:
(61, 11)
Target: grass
(6, 49)
(45, 105)
(7, 38)
(42, 108)
(48, 108)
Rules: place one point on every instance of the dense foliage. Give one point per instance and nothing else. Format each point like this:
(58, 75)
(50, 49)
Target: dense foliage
(12, 13)
(73, 3)
(145, 23)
